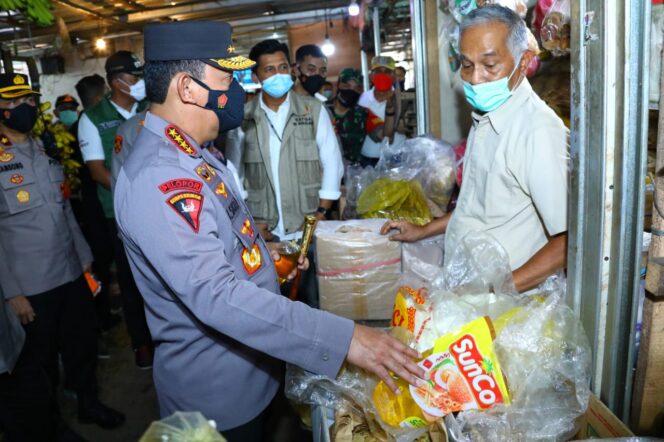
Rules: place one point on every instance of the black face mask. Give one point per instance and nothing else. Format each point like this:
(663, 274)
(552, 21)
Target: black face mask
(348, 97)
(311, 84)
(22, 118)
(402, 85)
(227, 105)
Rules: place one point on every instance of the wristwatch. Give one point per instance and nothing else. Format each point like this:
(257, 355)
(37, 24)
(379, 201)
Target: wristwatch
(323, 210)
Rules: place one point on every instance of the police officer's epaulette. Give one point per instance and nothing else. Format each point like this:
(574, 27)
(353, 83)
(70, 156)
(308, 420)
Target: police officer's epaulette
(175, 135)
(4, 140)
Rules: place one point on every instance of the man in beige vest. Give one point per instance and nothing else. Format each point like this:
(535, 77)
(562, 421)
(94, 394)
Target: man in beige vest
(291, 162)
(290, 157)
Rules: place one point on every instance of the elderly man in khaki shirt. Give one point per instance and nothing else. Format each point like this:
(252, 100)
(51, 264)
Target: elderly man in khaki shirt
(515, 171)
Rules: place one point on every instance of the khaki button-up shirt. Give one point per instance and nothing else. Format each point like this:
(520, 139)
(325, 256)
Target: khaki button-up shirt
(515, 177)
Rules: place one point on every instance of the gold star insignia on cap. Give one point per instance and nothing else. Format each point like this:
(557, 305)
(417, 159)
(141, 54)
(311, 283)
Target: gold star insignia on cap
(231, 49)
(19, 80)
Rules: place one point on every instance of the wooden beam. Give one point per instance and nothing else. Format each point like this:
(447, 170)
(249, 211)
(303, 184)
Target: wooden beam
(648, 397)
(433, 72)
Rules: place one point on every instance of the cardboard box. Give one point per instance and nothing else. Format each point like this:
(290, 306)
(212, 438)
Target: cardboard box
(358, 269)
(600, 423)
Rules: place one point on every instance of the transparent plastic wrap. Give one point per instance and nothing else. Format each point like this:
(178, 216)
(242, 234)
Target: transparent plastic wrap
(396, 200)
(412, 318)
(536, 342)
(546, 358)
(356, 180)
(460, 8)
(539, 12)
(182, 427)
(358, 269)
(518, 6)
(422, 260)
(479, 264)
(555, 32)
(429, 160)
(348, 390)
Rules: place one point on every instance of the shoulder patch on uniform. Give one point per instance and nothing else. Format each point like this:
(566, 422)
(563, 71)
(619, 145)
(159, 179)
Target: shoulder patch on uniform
(189, 206)
(205, 171)
(180, 140)
(4, 140)
(6, 157)
(117, 144)
(181, 184)
(251, 259)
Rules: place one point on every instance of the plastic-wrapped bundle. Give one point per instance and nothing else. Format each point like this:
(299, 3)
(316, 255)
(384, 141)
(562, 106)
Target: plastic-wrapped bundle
(429, 160)
(394, 199)
(518, 6)
(182, 427)
(357, 179)
(540, 344)
(555, 33)
(546, 358)
(358, 269)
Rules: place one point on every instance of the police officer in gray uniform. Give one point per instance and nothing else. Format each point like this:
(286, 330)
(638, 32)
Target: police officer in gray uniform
(124, 140)
(211, 291)
(46, 254)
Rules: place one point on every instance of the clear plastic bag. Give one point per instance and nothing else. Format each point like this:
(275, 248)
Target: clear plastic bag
(422, 260)
(479, 264)
(518, 6)
(460, 8)
(356, 180)
(348, 390)
(182, 427)
(540, 344)
(396, 200)
(546, 358)
(426, 159)
(555, 32)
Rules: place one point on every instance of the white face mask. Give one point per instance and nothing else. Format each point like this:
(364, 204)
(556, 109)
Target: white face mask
(137, 91)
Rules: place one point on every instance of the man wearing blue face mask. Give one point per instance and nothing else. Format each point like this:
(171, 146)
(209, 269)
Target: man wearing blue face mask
(291, 160)
(66, 110)
(97, 129)
(516, 164)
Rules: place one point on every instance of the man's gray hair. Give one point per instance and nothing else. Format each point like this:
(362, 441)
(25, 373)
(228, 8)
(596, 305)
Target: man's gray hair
(517, 38)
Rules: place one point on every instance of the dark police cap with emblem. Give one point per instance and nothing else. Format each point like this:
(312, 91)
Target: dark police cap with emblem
(15, 85)
(124, 61)
(208, 41)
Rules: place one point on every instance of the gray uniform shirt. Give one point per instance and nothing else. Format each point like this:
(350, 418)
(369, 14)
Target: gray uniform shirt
(211, 292)
(43, 243)
(12, 335)
(124, 140)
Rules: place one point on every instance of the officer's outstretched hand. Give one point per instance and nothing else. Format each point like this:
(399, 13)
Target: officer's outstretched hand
(408, 232)
(379, 353)
(22, 308)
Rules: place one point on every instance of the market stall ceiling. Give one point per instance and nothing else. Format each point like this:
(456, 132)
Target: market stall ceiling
(88, 19)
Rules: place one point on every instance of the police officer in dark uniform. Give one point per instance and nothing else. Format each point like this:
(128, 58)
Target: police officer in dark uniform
(46, 255)
(211, 292)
